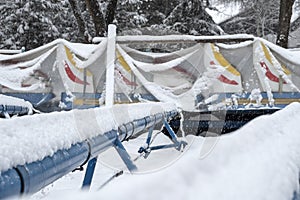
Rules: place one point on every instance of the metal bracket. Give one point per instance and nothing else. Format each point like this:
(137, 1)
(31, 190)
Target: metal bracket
(171, 132)
(92, 164)
(124, 155)
(178, 145)
(146, 148)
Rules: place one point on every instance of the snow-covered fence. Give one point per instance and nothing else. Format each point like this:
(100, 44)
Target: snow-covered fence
(37, 150)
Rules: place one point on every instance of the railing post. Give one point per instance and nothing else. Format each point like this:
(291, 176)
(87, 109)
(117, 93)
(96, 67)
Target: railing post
(88, 177)
(110, 65)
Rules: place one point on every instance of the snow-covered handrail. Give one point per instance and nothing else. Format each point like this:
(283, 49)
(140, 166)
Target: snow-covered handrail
(177, 38)
(42, 148)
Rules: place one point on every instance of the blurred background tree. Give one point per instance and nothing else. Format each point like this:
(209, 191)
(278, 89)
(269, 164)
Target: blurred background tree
(32, 23)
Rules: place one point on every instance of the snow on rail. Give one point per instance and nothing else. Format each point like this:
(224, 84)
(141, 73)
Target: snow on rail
(31, 138)
(176, 38)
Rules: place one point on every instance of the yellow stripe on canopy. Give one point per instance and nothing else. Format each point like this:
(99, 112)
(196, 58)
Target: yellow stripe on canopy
(269, 58)
(123, 62)
(71, 59)
(223, 62)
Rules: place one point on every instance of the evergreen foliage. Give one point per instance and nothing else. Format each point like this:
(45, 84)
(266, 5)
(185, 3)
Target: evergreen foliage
(32, 23)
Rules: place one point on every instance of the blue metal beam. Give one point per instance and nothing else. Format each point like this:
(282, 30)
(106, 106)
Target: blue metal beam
(125, 156)
(13, 110)
(32, 177)
(10, 183)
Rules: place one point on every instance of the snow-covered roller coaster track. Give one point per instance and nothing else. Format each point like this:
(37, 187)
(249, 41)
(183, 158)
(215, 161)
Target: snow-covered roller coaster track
(25, 176)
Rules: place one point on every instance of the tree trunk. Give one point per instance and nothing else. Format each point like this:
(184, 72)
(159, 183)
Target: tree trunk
(82, 31)
(110, 13)
(286, 9)
(97, 17)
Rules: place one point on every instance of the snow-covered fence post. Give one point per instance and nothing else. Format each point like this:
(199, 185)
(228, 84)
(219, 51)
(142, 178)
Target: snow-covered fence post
(110, 65)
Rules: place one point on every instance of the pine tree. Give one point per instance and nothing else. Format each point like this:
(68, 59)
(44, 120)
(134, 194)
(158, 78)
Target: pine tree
(190, 17)
(129, 15)
(177, 16)
(83, 34)
(31, 23)
(93, 17)
(64, 21)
